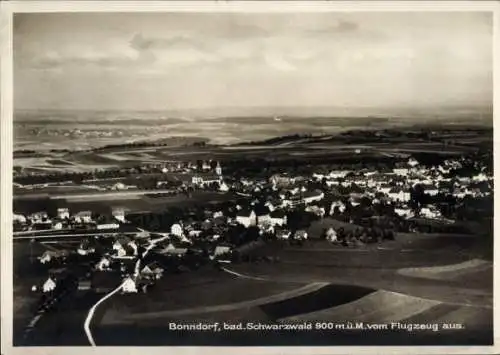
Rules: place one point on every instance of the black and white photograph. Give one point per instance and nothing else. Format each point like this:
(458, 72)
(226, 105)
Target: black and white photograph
(251, 178)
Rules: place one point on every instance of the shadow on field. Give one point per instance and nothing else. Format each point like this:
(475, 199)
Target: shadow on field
(326, 297)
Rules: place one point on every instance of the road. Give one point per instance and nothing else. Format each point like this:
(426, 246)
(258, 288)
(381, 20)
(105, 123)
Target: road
(107, 194)
(24, 237)
(90, 315)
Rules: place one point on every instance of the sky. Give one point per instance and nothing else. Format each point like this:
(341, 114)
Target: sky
(155, 61)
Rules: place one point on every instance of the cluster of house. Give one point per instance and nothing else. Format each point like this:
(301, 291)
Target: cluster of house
(191, 174)
(118, 261)
(65, 220)
(268, 204)
(121, 260)
(396, 185)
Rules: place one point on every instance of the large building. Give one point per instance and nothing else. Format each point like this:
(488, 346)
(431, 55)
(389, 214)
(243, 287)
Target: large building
(246, 217)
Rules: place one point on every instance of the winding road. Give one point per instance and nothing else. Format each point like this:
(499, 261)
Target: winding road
(90, 315)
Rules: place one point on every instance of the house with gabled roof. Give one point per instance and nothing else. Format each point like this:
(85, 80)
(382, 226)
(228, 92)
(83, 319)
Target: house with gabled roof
(83, 217)
(129, 285)
(152, 270)
(50, 255)
(246, 217)
(300, 235)
(398, 194)
(49, 285)
(404, 211)
(283, 234)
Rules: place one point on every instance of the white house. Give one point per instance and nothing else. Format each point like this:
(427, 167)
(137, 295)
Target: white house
(404, 212)
(205, 179)
(300, 235)
(354, 201)
(401, 171)
(398, 194)
(205, 166)
(153, 270)
(57, 225)
(318, 176)
(412, 162)
(47, 256)
(119, 214)
(291, 202)
(281, 180)
(223, 187)
(480, 177)
(19, 218)
(332, 183)
(459, 193)
(176, 230)
(117, 245)
(129, 286)
(385, 189)
(370, 173)
(120, 253)
(443, 170)
(283, 235)
(464, 179)
(430, 212)
(83, 217)
(337, 174)
(39, 217)
(217, 214)
(84, 251)
(246, 218)
(62, 213)
(431, 190)
(194, 233)
(49, 285)
(319, 211)
(331, 235)
(197, 180)
(119, 186)
(221, 250)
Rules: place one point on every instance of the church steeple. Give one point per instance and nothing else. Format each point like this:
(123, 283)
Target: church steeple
(218, 169)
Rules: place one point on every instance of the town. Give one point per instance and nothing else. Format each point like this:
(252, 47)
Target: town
(349, 208)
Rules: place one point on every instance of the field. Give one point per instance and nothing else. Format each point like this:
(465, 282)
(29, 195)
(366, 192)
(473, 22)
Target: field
(133, 202)
(385, 283)
(290, 292)
(333, 145)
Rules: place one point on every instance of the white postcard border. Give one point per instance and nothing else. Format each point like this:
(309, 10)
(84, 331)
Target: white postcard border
(8, 9)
